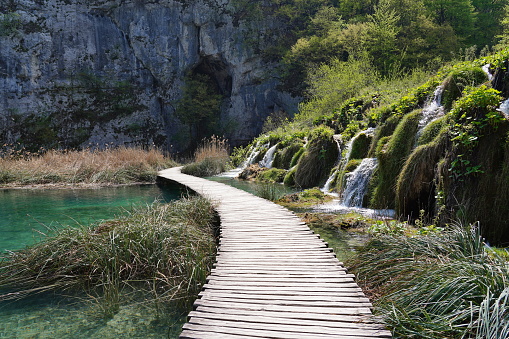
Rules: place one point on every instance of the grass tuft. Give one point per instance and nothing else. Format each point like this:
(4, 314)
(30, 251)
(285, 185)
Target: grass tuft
(163, 250)
(440, 285)
(210, 158)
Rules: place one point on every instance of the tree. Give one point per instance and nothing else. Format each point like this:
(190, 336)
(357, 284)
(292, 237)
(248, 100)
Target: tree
(459, 14)
(200, 105)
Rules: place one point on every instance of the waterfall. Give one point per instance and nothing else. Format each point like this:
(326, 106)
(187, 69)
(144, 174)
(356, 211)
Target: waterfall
(254, 151)
(326, 188)
(504, 108)
(431, 111)
(357, 183)
(268, 159)
(343, 161)
(486, 69)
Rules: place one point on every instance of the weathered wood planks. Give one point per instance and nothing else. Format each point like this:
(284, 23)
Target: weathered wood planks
(273, 277)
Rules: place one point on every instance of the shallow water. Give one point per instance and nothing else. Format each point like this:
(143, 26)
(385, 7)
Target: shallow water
(52, 316)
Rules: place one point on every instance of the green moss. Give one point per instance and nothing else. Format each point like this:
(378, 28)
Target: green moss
(296, 157)
(289, 179)
(283, 158)
(272, 175)
(320, 155)
(415, 187)
(433, 129)
(360, 146)
(385, 130)
(391, 154)
(458, 80)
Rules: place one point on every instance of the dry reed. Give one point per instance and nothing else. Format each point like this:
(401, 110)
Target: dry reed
(210, 158)
(113, 165)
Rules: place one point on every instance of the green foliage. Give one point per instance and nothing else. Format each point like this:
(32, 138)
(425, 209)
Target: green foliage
(334, 83)
(199, 107)
(458, 80)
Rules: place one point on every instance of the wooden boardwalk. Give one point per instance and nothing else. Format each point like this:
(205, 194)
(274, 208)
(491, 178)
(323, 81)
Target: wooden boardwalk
(273, 278)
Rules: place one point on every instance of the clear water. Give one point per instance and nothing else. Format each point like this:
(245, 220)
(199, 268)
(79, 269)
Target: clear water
(24, 212)
(53, 316)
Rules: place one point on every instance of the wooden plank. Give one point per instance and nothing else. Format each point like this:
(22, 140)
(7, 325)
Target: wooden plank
(282, 308)
(258, 296)
(349, 322)
(290, 328)
(263, 333)
(286, 302)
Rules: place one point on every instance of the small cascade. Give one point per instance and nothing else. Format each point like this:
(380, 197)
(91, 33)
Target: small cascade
(431, 111)
(357, 183)
(254, 151)
(504, 108)
(369, 132)
(268, 159)
(486, 69)
(326, 188)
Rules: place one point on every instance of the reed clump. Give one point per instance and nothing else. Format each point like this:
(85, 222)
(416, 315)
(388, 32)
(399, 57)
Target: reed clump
(210, 158)
(164, 251)
(448, 285)
(118, 165)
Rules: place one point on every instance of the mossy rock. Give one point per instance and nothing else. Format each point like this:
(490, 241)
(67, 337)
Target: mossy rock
(458, 80)
(433, 129)
(296, 157)
(385, 130)
(415, 187)
(392, 153)
(272, 175)
(482, 195)
(314, 165)
(283, 158)
(349, 167)
(289, 179)
(360, 146)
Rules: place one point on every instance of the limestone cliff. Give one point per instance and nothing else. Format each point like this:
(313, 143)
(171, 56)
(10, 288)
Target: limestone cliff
(111, 71)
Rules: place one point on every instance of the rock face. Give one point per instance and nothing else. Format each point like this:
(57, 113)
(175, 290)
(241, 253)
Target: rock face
(76, 72)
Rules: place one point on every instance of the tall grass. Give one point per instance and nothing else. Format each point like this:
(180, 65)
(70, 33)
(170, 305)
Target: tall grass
(437, 286)
(210, 158)
(164, 250)
(113, 165)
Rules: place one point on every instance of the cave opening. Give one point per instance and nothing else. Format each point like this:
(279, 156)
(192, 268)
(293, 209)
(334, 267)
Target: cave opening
(217, 70)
